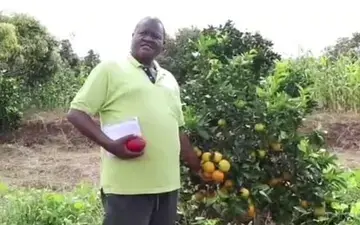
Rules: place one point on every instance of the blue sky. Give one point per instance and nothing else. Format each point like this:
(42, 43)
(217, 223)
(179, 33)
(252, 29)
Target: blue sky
(106, 25)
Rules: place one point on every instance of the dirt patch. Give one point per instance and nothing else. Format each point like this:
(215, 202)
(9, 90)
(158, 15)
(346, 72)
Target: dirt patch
(47, 128)
(51, 166)
(48, 152)
(342, 133)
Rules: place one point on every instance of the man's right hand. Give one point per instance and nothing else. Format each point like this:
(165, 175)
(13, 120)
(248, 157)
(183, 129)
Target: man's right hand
(84, 123)
(118, 148)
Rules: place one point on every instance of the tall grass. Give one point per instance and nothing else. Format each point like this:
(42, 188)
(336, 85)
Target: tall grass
(335, 84)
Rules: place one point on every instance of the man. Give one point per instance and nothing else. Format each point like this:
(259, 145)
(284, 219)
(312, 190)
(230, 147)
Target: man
(137, 188)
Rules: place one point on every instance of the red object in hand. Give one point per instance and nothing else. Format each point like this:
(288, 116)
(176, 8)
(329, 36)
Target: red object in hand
(136, 144)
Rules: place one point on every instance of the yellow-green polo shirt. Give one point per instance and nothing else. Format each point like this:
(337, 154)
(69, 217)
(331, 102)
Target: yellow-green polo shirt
(120, 90)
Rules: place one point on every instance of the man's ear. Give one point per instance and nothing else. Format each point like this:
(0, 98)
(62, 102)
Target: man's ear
(132, 35)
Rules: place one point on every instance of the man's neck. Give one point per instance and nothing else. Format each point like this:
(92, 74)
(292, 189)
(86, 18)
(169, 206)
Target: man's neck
(146, 64)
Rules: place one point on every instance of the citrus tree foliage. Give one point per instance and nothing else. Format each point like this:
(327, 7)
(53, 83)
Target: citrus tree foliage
(252, 122)
(178, 57)
(175, 57)
(37, 59)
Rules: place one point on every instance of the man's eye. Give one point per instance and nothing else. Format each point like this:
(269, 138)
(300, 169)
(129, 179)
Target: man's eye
(156, 36)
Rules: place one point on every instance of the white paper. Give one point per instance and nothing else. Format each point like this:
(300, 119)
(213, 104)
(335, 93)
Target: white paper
(116, 131)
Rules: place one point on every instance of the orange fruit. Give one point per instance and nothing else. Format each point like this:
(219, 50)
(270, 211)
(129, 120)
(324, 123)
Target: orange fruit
(217, 157)
(228, 184)
(275, 181)
(251, 211)
(206, 156)
(206, 176)
(320, 211)
(197, 151)
(221, 122)
(304, 204)
(218, 176)
(259, 127)
(208, 167)
(276, 146)
(261, 153)
(224, 165)
(244, 193)
(199, 196)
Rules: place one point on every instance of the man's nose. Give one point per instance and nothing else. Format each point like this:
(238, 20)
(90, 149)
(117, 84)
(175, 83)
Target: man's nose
(148, 38)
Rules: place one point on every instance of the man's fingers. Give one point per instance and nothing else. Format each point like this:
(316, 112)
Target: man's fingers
(130, 154)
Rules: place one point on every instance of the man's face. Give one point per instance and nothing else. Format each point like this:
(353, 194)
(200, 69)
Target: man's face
(148, 41)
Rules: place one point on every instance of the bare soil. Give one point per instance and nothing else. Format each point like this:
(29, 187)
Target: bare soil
(48, 152)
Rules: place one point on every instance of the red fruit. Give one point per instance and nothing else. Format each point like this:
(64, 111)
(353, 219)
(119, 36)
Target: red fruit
(136, 144)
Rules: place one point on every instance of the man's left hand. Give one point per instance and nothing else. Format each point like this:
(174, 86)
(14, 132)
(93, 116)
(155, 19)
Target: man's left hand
(188, 154)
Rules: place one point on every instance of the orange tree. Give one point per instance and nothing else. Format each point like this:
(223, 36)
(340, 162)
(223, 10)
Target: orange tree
(252, 123)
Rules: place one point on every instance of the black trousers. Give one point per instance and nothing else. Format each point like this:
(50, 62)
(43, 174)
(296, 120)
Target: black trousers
(147, 209)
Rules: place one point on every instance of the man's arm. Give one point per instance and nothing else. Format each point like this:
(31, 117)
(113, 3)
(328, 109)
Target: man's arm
(87, 102)
(87, 126)
(188, 154)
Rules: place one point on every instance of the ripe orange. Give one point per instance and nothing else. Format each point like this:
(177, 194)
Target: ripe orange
(206, 156)
(218, 176)
(251, 211)
(206, 176)
(224, 165)
(217, 157)
(208, 167)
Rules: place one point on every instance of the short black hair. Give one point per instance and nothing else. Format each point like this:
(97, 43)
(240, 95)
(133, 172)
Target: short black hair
(154, 19)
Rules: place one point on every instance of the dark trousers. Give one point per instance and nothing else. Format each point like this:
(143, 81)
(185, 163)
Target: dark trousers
(147, 209)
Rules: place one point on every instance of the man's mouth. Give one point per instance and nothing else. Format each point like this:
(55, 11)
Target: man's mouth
(146, 46)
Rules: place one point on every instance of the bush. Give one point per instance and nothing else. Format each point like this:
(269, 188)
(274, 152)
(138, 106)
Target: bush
(253, 122)
(10, 100)
(40, 207)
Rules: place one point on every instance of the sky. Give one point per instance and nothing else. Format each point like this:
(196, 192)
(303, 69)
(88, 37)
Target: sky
(106, 25)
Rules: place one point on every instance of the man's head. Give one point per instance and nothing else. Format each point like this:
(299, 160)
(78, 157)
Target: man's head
(148, 40)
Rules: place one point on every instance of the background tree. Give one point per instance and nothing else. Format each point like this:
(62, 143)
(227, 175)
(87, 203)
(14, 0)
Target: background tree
(38, 58)
(345, 46)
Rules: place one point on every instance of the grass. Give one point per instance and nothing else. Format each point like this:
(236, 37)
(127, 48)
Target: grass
(82, 206)
(41, 206)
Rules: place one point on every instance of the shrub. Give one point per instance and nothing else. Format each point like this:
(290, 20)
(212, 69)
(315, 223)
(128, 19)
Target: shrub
(10, 100)
(253, 122)
(40, 207)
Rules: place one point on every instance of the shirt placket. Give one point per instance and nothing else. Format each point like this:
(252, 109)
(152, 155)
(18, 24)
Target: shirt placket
(150, 75)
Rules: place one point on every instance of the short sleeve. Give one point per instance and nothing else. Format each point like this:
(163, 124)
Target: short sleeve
(92, 95)
(181, 120)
